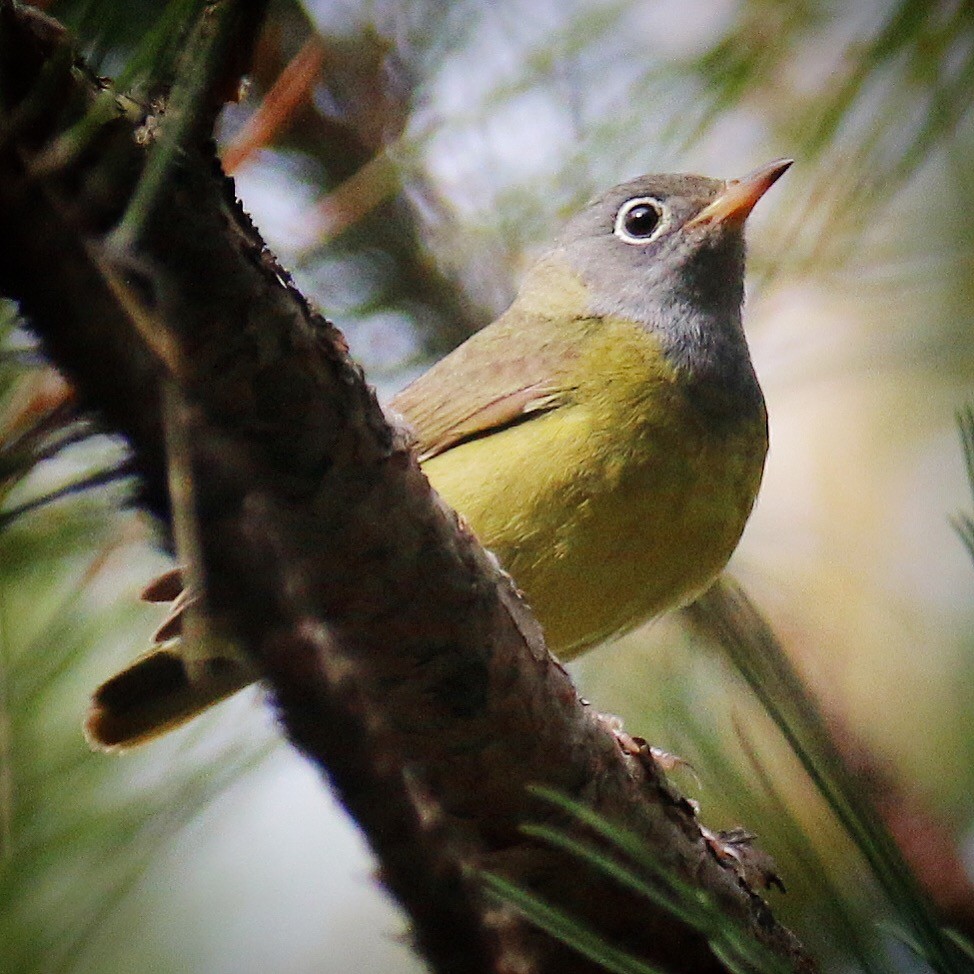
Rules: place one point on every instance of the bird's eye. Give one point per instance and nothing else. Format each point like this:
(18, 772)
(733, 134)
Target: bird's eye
(640, 220)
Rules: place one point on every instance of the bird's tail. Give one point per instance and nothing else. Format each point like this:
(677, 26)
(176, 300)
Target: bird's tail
(162, 689)
(156, 694)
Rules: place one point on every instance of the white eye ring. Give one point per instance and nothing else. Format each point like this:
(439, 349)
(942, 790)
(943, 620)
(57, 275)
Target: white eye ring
(624, 226)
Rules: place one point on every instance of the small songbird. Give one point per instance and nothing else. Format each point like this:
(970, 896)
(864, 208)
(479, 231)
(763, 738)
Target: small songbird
(605, 437)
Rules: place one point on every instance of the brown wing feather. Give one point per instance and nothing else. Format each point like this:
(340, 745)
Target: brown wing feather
(474, 390)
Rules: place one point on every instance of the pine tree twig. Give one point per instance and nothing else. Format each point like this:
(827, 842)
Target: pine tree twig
(402, 660)
(276, 111)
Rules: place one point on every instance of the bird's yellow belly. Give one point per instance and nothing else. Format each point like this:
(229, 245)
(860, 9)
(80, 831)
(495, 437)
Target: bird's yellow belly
(630, 536)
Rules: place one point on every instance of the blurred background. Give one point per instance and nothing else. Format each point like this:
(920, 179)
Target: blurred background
(406, 159)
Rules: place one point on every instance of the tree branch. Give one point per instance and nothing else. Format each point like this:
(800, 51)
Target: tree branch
(401, 659)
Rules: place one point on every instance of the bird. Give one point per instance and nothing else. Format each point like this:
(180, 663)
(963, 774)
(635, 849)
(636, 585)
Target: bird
(605, 437)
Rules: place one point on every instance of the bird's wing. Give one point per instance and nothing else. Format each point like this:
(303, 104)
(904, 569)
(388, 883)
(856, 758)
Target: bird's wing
(475, 390)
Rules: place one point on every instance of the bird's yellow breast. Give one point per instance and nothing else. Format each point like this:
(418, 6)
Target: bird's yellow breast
(619, 504)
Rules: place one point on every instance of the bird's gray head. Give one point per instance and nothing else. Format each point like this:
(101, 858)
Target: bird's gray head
(667, 251)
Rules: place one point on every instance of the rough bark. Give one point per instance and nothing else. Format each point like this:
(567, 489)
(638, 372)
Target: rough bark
(400, 658)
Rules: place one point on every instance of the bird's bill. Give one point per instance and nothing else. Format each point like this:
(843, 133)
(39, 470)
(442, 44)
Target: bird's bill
(739, 197)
